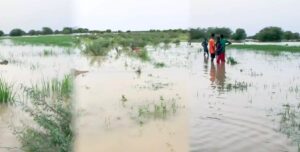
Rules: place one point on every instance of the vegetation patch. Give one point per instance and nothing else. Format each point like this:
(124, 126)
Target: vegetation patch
(6, 92)
(160, 110)
(290, 122)
(241, 86)
(159, 65)
(51, 111)
(231, 61)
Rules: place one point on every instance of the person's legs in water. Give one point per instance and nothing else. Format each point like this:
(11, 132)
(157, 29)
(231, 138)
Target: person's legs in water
(223, 57)
(212, 56)
(219, 58)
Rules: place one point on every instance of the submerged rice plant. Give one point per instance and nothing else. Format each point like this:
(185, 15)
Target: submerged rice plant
(6, 92)
(158, 110)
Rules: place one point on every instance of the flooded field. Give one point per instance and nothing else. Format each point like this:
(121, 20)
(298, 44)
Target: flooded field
(178, 101)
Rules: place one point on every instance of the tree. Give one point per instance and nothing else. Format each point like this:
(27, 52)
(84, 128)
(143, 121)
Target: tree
(16, 32)
(108, 31)
(32, 32)
(240, 34)
(1, 33)
(67, 30)
(272, 34)
(288, 35)
(47, 31)
(80, 30)
(219, 30)
(199, 33)
(56, 32)
(296, 36)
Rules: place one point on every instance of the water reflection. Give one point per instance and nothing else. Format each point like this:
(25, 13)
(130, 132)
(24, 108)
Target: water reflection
(217, 76)
(212, 73)
(221, 76)
(205, 64)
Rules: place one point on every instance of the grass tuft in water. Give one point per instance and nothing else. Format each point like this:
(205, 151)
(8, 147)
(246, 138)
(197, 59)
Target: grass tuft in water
(6, 92)
(241, 86)
(48, 52)
(290, 122)
(231, 61)
(160, 110)
(159, 65)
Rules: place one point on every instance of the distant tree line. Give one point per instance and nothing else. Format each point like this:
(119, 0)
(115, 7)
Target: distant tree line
(275, 34)
(70, 30)
(268, 34)
(45, 31)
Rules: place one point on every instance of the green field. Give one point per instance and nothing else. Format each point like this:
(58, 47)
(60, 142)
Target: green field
(57, 40)
(271, 48)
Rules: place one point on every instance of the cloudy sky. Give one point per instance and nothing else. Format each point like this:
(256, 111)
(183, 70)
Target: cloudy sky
(149, 14)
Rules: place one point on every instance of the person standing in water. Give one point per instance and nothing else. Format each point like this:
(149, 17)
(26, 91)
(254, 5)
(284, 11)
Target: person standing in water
(212, 47)
(219, 49)
(224, 43)
(205, 47)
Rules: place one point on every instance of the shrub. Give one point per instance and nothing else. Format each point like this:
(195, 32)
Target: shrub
(99, 47)
(52, 116)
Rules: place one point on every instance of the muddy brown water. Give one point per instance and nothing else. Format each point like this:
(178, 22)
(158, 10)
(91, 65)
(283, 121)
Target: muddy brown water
(224, 107)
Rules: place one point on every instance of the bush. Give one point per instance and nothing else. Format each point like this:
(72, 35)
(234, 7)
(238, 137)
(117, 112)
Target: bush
(272, 34)
(99, 47)
(16, 32)
(52, 114)
(240, 34)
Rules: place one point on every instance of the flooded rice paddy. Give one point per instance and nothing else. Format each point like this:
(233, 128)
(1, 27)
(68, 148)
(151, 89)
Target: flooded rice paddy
(185, 104)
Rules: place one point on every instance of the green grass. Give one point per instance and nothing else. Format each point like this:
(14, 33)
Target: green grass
(51, 111)
(100, 44)
(6, 92)
(57, 40)
(271, 48)
(52, 89)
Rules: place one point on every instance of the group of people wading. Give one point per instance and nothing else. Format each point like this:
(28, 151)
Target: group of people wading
(215, 48)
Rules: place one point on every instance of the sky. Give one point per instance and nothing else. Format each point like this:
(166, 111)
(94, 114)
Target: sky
(251, 15)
